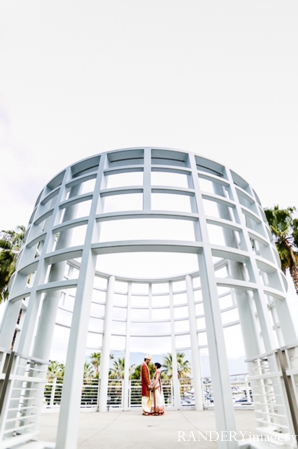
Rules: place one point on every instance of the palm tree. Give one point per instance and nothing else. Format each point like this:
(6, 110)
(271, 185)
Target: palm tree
(55, 375)
(167, 366)
(95, 361)
(10, 245)
(183, 366)
(117, 372)
(135, 371)
(88, 372)
(285, 233)
(55, 370)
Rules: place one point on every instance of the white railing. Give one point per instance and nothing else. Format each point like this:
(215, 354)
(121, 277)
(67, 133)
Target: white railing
(135, 393)
(53, 393)
(167, 389)
(22, 385)
(115, 394)
(187, 394)
(273, 377)
(89, 396)
(240, 391)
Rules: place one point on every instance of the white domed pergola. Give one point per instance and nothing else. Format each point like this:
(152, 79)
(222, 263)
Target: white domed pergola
(218, 268)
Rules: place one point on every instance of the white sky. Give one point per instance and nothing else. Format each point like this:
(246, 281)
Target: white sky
(78, 78)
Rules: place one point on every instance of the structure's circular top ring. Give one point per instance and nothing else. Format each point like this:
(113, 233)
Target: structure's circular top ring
(150, 200)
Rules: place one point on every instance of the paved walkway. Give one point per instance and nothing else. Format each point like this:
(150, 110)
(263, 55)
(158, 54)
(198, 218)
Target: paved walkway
(131, 430)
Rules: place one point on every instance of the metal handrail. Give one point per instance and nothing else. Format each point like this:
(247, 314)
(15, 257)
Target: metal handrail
(6, 379)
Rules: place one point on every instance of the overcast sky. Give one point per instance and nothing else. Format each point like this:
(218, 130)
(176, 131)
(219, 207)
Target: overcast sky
(215, 77)
(78, 78)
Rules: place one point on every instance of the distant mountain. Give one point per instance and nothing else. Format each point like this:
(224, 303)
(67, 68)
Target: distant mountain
(136, 358)
(236, 366)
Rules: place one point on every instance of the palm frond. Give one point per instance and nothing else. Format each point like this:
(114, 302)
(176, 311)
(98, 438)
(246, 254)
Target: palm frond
(10, 244)
(284, 229)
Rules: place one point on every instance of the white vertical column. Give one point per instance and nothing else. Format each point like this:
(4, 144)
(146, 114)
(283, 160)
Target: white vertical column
(127, 350)
(175, 380)
(67, 432)
(150, 302)
(224, 410)
(19, 281)
(44, 334)
(105, 352)
(72, 384)
(251, 338)
(27, 332)
(147, 180)
(9, 321)
(261, 300)
(24, 341)
(259, 297)
(195, 355)
(287, 327)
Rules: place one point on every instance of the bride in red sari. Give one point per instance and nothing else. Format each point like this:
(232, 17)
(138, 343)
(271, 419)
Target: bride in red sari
(158, 403)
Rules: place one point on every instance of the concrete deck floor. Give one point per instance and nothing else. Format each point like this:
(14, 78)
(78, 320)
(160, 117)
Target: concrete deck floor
(127, 430)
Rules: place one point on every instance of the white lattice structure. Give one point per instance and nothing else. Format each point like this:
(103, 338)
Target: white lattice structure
(219, 221)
